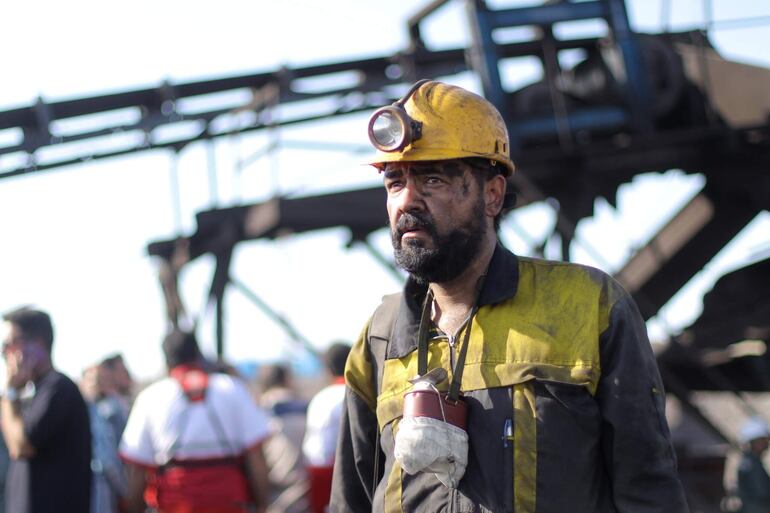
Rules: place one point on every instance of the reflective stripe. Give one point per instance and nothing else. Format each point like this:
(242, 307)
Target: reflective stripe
(524, 448)
(393, 490)
(512, 341)
(398, 372)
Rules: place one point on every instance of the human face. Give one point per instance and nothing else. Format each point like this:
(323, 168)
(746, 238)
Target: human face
(14, 339)
(437, 218)
(25, 356)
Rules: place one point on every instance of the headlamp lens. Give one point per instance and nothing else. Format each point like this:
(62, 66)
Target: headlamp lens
(387, 131)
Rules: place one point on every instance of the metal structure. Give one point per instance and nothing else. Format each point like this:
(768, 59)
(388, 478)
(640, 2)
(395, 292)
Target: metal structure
(633, 104)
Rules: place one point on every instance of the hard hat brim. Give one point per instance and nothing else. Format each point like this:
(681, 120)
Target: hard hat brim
(422, 155)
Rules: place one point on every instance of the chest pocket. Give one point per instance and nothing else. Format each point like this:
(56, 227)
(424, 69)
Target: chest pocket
(569, 430)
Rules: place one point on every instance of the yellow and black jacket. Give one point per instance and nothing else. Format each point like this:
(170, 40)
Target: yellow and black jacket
(565, 402)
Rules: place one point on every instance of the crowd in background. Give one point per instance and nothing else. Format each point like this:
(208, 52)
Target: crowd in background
(146, 440)
(202, 439)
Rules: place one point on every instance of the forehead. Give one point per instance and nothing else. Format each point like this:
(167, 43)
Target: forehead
(450, 168)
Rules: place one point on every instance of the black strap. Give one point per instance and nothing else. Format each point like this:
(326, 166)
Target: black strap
(422, 335)
(422, 341)
(457, 373)
(224, 442)
(380, 333)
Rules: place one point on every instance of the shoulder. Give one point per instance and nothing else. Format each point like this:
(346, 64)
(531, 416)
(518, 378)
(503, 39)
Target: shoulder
(224, 387)
(226, 383)
(570, 278)
(55, 379)
(58, 384)
(164, 385)
(563, 268)
(326, 399)
(159, 391)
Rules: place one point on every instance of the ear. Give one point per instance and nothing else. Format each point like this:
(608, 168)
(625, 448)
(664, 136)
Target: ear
(494, 194)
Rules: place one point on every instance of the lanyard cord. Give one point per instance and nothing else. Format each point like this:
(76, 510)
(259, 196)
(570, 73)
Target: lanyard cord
(422, 335)
(422, 341)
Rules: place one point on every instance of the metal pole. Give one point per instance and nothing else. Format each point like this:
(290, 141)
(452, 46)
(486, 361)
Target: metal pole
(275, 316)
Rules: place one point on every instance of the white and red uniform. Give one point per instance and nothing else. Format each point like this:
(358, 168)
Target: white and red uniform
(324, 414)
(193, 445)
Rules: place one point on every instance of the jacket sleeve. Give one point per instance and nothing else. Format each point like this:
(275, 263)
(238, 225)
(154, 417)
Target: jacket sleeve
(354, 463)
(636, 442)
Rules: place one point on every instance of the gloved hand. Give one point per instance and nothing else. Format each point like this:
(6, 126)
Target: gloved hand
(430, 445)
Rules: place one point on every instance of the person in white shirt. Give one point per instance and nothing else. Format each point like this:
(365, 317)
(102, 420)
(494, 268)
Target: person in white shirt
(193, 442)
(323, 426)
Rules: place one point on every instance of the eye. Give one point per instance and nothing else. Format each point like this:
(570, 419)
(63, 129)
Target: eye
(393, 185)
(434, 179)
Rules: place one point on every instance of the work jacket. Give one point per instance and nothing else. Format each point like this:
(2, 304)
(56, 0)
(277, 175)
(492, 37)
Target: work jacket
(565, 402)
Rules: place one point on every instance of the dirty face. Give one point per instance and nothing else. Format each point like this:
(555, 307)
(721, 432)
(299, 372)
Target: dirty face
(437, 217)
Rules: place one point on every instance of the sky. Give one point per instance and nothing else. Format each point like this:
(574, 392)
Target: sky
(74, 239)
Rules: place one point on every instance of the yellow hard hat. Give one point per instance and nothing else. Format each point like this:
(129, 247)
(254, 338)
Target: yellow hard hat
(437, 121)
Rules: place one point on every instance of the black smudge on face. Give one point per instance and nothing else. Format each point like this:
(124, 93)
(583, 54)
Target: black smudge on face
(466, 186)
(452, 169)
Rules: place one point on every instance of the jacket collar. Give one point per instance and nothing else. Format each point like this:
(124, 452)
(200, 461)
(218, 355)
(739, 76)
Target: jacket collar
(502, 283)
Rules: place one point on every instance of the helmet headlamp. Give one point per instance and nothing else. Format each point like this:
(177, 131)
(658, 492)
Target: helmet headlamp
(391, 128)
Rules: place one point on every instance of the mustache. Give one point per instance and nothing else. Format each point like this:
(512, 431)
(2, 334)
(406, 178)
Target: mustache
(413, 221)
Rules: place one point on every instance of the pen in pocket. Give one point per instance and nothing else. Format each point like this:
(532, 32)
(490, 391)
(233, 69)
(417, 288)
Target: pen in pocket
(507, 432)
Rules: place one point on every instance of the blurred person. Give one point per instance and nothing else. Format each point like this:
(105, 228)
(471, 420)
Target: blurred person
(753, 482)
(97, 384)
(122, 381)
(283, 451)
(44, 421)
(108, 487)
(193, 442)
(4, 462)
(324, 414)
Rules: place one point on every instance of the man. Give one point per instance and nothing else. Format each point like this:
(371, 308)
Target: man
(193, 442)
(283, 451)
(98, 388)
(550, 398)
(324, 414)
(122, 381)
(45, 423)
(108, 419)
(753, 480)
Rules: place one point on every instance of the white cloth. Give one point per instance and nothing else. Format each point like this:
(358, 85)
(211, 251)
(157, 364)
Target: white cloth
(324, 415)
(424, 444)
(163, 423)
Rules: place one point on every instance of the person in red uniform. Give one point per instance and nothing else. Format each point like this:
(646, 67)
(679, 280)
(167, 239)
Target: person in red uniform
(323, 427)
(193, 442)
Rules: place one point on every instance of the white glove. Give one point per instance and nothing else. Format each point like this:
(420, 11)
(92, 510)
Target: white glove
(431, 445)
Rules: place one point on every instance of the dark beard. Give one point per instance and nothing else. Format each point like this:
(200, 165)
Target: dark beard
(452, 252)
